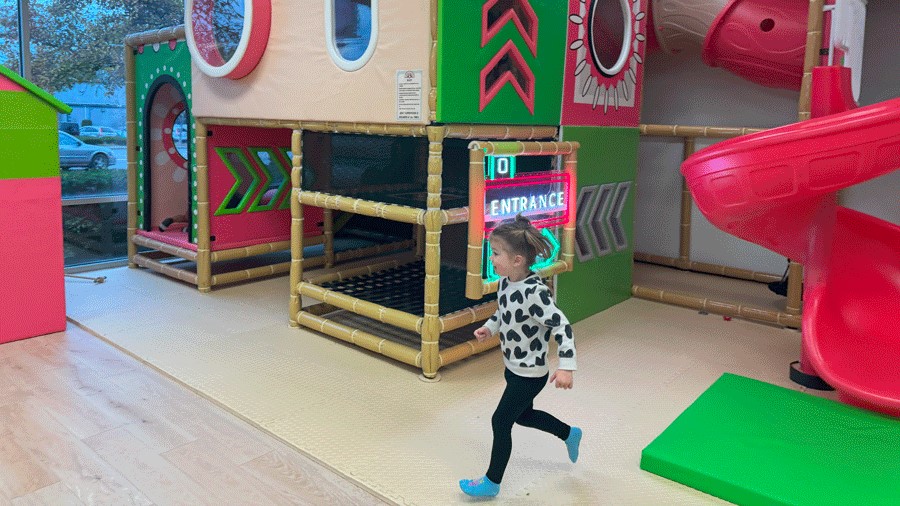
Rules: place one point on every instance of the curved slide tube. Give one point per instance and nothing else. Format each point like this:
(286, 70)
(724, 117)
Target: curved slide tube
(778, 189)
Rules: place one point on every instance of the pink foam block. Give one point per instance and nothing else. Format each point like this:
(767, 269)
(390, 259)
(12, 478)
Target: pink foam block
(32, 291)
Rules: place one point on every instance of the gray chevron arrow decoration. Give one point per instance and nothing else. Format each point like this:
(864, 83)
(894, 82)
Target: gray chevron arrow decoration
(614, 217)
(598, 224)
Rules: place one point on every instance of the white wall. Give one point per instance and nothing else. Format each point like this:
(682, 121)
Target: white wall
(681, 90)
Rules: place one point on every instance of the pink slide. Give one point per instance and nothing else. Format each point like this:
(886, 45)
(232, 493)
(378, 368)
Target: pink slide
(778, 189)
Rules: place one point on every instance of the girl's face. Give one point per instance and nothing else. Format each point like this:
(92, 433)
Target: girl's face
(506, 263)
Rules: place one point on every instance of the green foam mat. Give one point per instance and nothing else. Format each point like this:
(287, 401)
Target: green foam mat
(751, 442)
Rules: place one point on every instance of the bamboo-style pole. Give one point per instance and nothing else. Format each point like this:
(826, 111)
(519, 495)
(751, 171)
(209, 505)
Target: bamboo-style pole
(455, 216)
(720, 270)
(687, 204)
(354, 254)
(360, 338)
(455, 131)
(696, 131)
(247, 274)
(257, 249)
(812, 56)
(296, 226)
(467, 349)
(392, 212)
(155, 36)
(468, 316)
(716, 307)
(501, 132)
(187, 254)
(131, 148)
(431, 328)
(328, 233)
(364, 270)
(432, 63)
(361, 307)
(174, 272)
(567, 244)
(419, 232)
(474, 282)
(535, 148)
(204, 260)
(794, 304)
(553, 269)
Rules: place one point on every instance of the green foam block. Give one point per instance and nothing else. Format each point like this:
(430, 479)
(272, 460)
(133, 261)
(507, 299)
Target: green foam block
(751, 442)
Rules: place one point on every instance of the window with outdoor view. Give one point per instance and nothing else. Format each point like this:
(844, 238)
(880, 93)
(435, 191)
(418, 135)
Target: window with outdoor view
(75, 51)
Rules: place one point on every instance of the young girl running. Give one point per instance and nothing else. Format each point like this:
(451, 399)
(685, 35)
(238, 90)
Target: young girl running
(526, 319)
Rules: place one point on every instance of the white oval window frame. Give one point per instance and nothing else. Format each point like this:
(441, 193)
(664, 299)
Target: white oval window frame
(331, 43)
(239, 52)
(625, 52)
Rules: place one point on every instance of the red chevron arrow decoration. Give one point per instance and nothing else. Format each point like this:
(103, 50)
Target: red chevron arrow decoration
(507, 66)
(496, 13)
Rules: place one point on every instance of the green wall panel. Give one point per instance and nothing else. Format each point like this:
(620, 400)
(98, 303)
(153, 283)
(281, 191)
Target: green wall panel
(606, 155)
(150, 65)
(29, 143)
(461, 60)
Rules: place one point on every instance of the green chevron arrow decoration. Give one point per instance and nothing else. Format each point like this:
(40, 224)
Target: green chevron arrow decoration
(241, 168)
(275, 179)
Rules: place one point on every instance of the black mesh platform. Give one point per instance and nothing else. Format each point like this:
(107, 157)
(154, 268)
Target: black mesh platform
(403, 288)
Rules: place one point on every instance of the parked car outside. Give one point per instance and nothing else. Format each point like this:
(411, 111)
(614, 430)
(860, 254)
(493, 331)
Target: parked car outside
(98, 131)
(70, 127)
(77, 153)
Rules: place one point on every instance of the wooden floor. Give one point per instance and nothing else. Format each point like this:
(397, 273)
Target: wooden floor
(83, 423)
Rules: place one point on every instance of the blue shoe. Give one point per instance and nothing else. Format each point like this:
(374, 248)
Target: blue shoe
(482, 487)
(573, 442)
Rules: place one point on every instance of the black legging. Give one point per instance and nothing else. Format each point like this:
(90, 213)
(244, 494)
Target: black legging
(516, 407)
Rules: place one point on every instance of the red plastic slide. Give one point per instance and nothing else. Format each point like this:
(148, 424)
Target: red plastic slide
(778, 189)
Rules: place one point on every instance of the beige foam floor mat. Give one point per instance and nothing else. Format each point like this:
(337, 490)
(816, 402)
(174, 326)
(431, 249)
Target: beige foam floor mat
(372, 420)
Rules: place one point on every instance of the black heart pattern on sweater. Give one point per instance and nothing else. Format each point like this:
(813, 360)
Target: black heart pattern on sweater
(545, 297)
(529, 291)
(536, 345)
(512, 335)
(565, 354)
(520, 353)
(521, 316)
(536, 311)
(530, 330)
(517, 297)
(507, 316)
(531, 280)
(553, 321)
(539, 360)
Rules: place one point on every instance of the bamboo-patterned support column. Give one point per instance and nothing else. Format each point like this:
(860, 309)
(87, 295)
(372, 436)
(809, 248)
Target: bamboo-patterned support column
(419, 238)
(474, 284)
(130, 127)
(296, 225)
(687, 204)
(567, 242)
(432, 63)
(204, 260)
(431, 327)
(811, 59)
(328, 232)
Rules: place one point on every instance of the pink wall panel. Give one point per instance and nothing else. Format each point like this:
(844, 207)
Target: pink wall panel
(32, 297)
(249, 227)
(604, 62)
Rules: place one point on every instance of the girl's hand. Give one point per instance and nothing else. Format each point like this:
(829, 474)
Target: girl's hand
(563, 379)
(482, 333)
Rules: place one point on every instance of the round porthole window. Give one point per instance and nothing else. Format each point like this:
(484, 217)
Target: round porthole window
(609, 35)
(227, 38)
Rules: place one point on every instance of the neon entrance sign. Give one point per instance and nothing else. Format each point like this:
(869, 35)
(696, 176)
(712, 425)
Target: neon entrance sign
(541, 197)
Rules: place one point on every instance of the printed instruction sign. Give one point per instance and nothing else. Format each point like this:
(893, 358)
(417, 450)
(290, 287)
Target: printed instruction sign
(409, 95)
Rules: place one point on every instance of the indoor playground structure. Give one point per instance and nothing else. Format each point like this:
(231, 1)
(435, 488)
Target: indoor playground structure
(32, 301)
(418, 153)
(413, 155)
